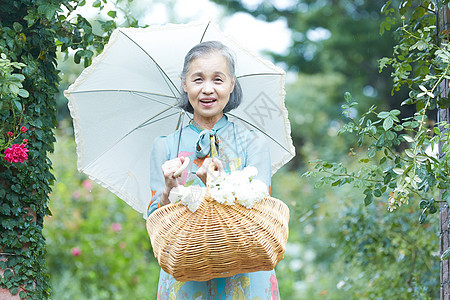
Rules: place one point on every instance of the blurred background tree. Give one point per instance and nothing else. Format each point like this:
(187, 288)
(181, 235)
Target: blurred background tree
(338, 248)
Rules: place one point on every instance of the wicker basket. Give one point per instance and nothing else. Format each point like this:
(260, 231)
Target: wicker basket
(218, 240)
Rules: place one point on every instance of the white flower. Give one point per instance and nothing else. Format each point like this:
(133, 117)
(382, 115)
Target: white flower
(196, 194)
(191, 196)
(178, 193)
(225, 189)
(250, 172)
(223, 193)
(248, 195)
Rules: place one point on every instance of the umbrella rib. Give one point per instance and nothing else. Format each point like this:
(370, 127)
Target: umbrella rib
(258, 74)
(129, 91)
(165, 76)
(160, 102)
(204, 32)
(145, 123)
(152, 120)
(248, 123)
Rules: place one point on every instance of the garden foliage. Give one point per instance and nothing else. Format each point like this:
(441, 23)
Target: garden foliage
(32, 31)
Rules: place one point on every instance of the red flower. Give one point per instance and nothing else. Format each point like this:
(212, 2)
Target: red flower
(16, 153)
(75, 251)
(10, 134)
(23, 129)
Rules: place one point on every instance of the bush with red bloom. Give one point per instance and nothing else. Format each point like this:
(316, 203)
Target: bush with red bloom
(10, 134)
(23, 129)
(16, 153)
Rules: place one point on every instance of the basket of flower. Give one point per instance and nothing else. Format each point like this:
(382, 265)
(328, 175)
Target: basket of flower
(231, 227)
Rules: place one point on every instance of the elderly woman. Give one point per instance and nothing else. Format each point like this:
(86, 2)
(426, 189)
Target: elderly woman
(210, 90)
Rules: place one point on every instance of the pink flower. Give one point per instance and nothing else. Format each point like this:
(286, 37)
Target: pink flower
(25, 141)
(16, 153)
(75, 251)
(87, 184)
(116, 227)
(76, 195)
(10, 134)
(23, 129)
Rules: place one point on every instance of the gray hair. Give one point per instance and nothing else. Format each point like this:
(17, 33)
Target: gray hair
(203, 49)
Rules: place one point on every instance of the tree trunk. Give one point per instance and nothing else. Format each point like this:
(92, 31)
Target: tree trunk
(443, 116)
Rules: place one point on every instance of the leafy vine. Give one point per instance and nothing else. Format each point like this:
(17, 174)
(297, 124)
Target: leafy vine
(407, 156)
(32, 31)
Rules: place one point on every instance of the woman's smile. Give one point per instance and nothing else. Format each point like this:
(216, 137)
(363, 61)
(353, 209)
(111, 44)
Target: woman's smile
(208, 101)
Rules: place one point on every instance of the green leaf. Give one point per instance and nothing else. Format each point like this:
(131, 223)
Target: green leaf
(388, 123)
(394, 112)
(436, 130)
(112, 14)
(371, 153)
(337, 182)
(398, 171)
(23, 93)
(14, 290)
(377, 193)
(368, 199)
(17, 105)
(423, 203)
(408, 138)
(49, 10)
(348, 97)
(383, 114)
(422, 218)
(14, 89)
(97, 3)
(17, 27)
(432, 209)
(77, 57)
(446, 254)
(409, 152)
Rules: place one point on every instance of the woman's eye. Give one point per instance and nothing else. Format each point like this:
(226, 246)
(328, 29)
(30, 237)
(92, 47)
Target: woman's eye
(197, 80)
(219, 80)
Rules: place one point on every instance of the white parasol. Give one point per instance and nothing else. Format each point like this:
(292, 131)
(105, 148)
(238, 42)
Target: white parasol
(128, 97)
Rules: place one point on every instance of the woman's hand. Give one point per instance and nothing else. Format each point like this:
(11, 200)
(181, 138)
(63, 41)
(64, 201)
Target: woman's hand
(171, 180)
(203, 172)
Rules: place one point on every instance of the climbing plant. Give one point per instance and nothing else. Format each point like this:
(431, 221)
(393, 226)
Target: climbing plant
(32, 32)
(398, 153)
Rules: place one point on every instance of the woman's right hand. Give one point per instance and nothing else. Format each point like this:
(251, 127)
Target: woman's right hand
(204, 171)
(169, 168)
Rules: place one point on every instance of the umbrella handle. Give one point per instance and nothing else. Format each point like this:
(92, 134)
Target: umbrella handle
(182, 168)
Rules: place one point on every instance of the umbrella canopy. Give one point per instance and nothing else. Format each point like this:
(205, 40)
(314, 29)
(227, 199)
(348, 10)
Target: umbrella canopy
(128, 97)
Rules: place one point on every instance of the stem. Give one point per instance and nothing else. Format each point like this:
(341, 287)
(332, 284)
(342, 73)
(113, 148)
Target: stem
(346, 175)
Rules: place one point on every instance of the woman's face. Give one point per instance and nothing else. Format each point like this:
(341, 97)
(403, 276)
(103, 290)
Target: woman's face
(208, 85)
